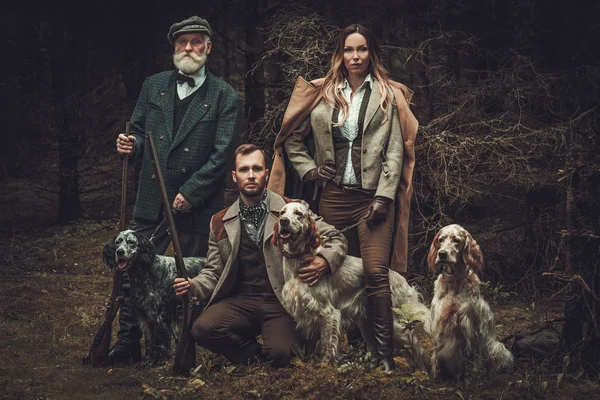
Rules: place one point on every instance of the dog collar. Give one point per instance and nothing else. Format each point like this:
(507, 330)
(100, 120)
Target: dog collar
(295, 256)
(456, 277)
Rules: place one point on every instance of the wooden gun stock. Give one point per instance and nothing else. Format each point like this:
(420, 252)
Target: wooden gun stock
(185, 354)
(98, 354)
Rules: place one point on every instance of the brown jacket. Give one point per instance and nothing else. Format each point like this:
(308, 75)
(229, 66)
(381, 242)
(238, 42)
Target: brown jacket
(305, 97)
(218, 276)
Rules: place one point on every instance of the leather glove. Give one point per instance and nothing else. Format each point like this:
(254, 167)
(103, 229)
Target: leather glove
(325, 171)
(378, 210)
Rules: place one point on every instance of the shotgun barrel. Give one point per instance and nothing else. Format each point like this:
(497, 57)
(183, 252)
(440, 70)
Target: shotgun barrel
(98, 354)
(185, 354)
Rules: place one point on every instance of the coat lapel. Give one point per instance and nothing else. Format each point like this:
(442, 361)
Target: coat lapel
(276, 203)
(374, 101)
(232, 225)
(167, 102)
(322, 126)
(273, 257)
(196, 111)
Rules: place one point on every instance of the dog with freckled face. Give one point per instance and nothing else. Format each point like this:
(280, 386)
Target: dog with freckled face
(461, 322)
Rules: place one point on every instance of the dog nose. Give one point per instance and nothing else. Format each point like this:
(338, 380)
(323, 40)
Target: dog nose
(284, 221)
(120, 252)
(443, 254)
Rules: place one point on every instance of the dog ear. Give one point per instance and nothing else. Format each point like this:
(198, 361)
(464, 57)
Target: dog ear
(472, 255)
(275, 238)
(305, 204)
(108, 254)
(145, 249)
(432, 255)
(315, 237)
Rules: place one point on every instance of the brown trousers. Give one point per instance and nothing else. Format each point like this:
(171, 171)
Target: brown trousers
(340, 208)
(230, 327)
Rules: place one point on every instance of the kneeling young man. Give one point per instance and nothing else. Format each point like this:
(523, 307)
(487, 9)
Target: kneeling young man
(243, 276)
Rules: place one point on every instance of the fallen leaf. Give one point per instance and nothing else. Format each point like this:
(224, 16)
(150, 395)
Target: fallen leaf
(154, 394)
(402, 361)
(196, 384)
(420, 376)
(230, 369)
(253, 393)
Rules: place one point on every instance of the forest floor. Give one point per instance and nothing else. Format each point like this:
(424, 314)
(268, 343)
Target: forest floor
(52, 296)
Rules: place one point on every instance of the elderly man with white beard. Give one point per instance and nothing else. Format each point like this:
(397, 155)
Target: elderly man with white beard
(195, 119)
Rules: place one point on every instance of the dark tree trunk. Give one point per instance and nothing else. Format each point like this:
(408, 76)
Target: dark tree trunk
(68, 141)
(255, 78)
(227, 59)
(581, 331)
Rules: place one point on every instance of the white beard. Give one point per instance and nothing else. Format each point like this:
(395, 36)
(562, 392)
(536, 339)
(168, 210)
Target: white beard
(188, 63)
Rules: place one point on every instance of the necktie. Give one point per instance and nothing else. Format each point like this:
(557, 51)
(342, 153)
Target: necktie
(181, 78)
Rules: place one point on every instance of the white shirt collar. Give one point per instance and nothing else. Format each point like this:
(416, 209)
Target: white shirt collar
(346, 86)
(199, 76)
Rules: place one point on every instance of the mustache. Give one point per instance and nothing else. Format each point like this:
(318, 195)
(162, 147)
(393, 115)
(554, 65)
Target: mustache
(190, 62)
(192, 55)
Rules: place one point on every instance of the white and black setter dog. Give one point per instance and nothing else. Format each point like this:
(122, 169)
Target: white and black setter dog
(152, 297)
(462, 324)
(339, 299)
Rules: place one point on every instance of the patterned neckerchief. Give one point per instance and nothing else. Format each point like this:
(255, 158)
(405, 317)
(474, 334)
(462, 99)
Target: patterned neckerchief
(256, 212)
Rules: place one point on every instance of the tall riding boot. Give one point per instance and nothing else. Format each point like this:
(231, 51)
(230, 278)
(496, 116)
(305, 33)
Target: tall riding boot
(127, 350)
(382, 320)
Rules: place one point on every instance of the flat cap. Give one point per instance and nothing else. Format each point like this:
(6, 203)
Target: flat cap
(191, 25)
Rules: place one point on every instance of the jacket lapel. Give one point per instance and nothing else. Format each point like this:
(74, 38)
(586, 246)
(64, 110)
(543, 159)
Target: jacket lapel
(273, 257)
(231, 221)
(167, 102)
(322, 126)
(373, 104)
(276, 203)
(195, 111)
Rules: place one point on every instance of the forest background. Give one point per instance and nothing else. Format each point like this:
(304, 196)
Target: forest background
(506, 93)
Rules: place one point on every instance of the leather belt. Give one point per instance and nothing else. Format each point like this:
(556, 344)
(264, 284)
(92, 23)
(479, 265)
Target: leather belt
(356, 189)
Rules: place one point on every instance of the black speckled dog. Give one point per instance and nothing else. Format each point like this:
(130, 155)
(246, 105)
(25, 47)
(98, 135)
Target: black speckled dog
(152, 296)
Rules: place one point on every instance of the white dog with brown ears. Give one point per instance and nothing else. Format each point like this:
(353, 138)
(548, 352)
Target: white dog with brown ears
(338, 299)
(462, 324)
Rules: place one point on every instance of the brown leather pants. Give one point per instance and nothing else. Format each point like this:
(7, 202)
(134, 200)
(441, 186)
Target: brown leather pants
(341, 208)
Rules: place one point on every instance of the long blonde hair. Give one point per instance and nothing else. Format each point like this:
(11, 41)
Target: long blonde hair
(338, 73)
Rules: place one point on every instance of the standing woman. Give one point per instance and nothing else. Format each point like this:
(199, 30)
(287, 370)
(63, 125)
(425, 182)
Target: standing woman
(358, 162)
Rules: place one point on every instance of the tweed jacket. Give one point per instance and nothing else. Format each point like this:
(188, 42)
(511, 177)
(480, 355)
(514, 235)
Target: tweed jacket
(305, 97)
(218, 276)
(194, 159)
(381, 142)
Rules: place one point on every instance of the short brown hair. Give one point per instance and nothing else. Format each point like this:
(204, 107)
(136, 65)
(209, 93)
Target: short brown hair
(246, 149)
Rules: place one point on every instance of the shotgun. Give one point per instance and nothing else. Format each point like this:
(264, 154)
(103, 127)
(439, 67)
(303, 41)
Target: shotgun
(98, 354)
(185, 354)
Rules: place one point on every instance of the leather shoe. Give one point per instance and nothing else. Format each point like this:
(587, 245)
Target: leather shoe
(124, 354)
